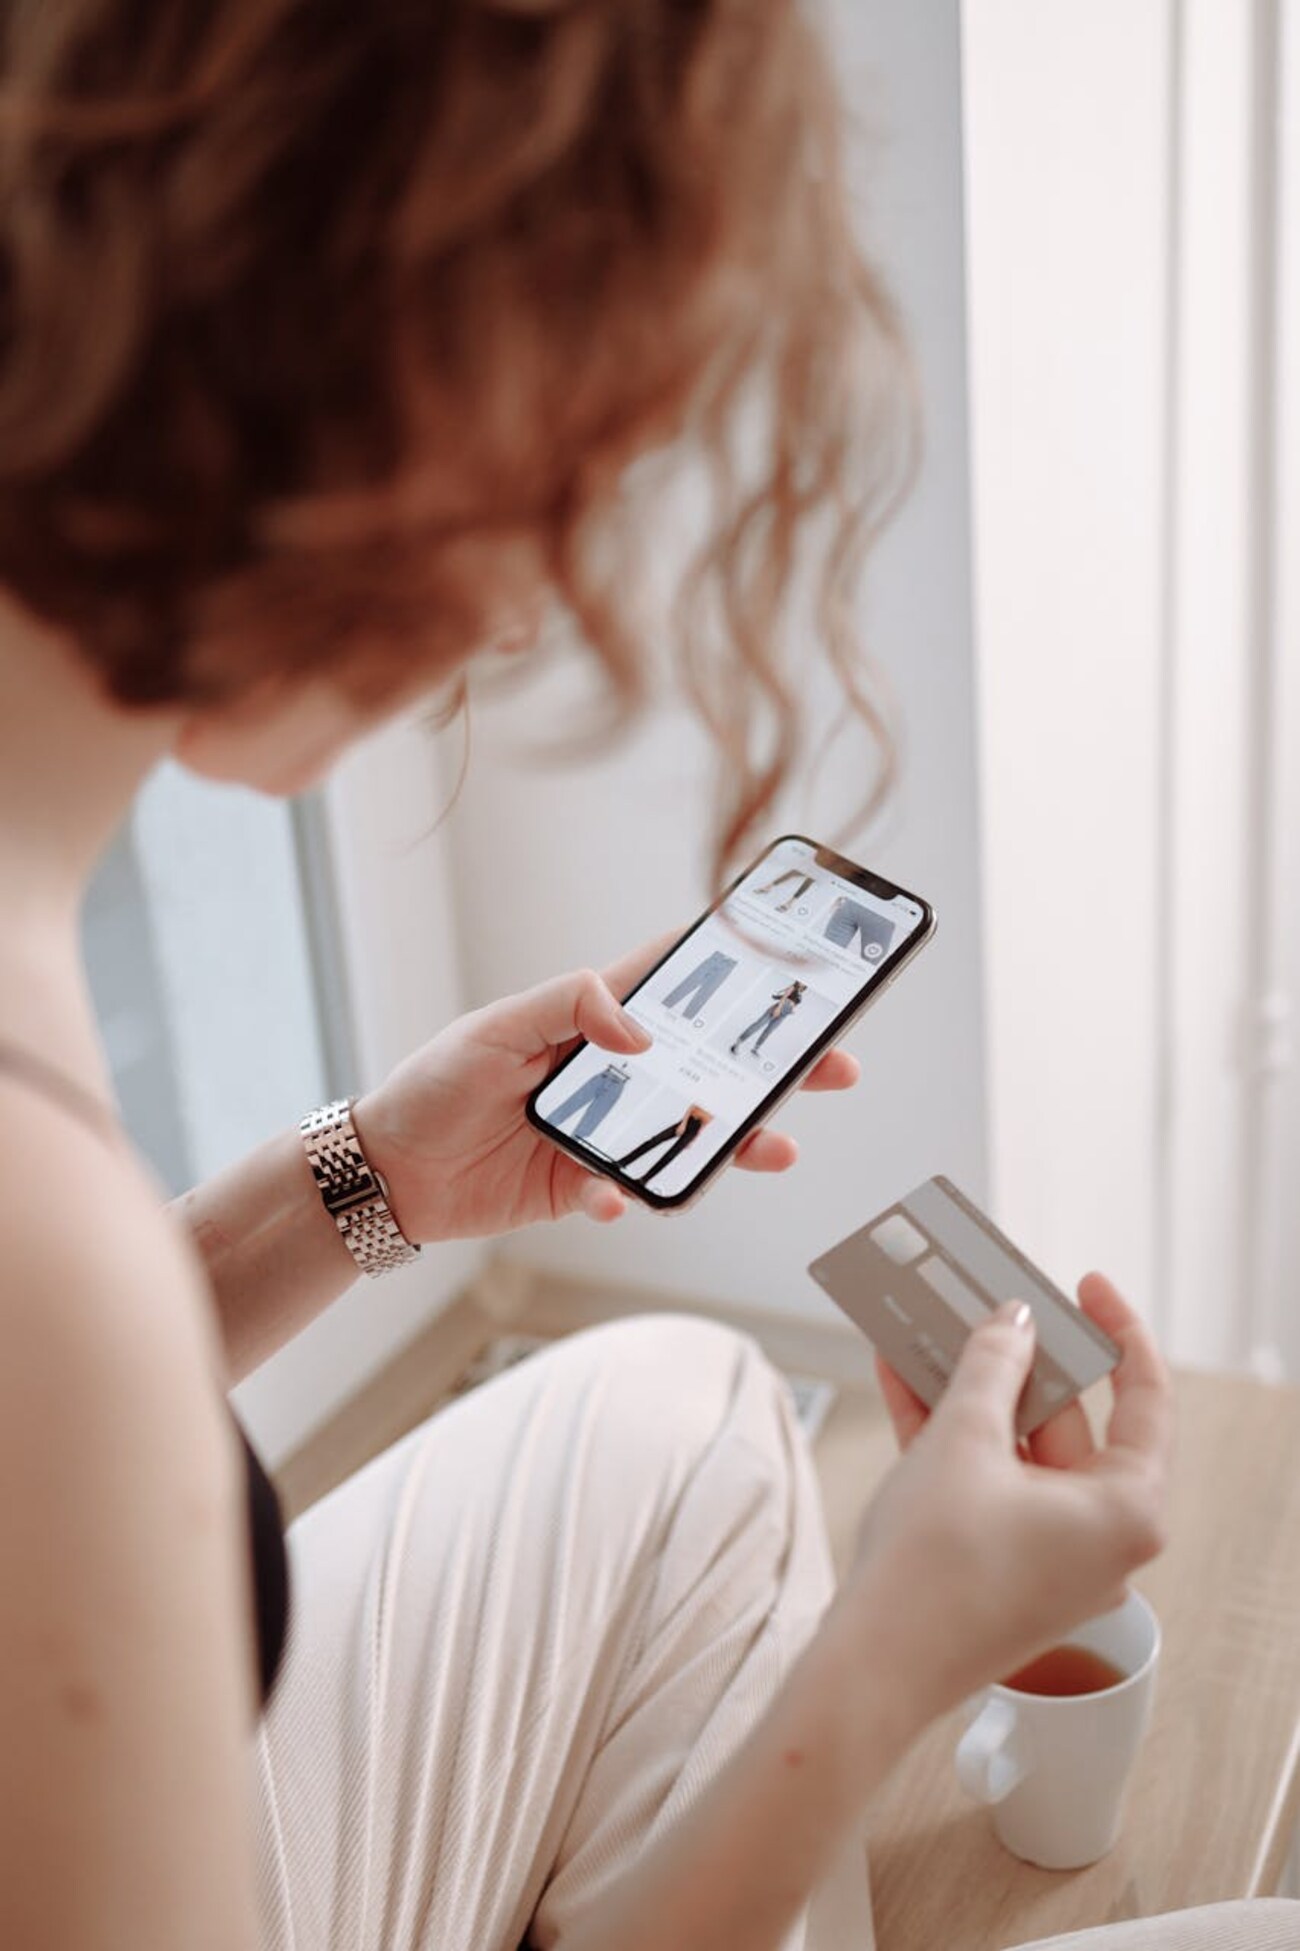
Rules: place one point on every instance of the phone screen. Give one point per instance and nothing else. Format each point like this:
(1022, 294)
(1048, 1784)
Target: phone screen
(733, 1015)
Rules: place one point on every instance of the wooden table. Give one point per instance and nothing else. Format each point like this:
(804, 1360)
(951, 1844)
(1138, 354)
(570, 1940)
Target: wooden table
(1213, 1799)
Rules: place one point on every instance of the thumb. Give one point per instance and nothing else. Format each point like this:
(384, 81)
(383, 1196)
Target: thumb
(580, 1004)
(994, 1367)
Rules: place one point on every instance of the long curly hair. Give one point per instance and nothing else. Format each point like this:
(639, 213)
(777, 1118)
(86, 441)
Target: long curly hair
(307, 306)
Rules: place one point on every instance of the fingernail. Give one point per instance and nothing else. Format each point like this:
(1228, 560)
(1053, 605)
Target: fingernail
(633, 1028)
(1016, 1314)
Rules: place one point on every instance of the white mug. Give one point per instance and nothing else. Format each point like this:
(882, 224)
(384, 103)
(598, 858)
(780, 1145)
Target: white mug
(1055, 1766)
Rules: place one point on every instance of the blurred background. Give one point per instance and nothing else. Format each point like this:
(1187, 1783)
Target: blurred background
(1088, 612)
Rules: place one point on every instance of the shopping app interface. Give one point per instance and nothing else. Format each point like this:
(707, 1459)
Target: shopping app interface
(729, 1013)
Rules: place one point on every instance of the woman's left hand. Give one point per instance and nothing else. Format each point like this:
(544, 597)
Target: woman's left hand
(447, 1129)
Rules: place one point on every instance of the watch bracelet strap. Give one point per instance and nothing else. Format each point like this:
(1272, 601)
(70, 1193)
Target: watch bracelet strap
(352, 1192)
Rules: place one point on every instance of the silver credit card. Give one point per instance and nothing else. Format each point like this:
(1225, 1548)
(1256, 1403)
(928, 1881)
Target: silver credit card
(922, 1274)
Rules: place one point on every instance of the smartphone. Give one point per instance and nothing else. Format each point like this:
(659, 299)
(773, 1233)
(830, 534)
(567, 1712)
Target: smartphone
(740, 1008)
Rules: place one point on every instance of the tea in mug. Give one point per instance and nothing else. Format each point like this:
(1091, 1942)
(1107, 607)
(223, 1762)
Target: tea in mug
(1065, 1670)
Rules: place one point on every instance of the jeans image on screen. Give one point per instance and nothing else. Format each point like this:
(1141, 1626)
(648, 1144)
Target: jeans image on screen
(849, 919)
(791, 874)
(595, 1099)
(702, 984)
(685, 1131)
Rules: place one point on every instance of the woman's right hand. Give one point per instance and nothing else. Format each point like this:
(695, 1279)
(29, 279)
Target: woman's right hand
(975, 1556)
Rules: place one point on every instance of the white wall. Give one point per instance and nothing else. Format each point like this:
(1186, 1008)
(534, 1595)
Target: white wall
(1133, 371)
(1067, 187)
(559, 868)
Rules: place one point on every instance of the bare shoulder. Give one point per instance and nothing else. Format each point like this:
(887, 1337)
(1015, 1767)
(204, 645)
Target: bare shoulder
(101, 1291)
(68, 1195)
(126, 1672)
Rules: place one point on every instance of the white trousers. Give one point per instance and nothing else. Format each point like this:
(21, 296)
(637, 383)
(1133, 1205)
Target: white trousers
(527, 1635)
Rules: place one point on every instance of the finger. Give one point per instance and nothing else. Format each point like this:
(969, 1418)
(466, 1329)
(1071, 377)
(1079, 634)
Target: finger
(601, 1200)
(1065, 1442)
(580, 1004)
(767, 1151)
(992, 1371)
(907, 1412)
(838, 1070)
(624, 975)
(576, 1189)
(1141, 1422)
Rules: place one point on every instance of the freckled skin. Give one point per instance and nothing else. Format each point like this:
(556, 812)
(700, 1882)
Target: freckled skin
(793, 1757)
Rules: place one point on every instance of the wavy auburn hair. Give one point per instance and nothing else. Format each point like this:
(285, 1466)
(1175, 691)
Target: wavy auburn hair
(304, 302)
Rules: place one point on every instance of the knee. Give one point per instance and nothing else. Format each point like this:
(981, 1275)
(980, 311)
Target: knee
(674, 1396)
(697, 1432)
(676, 1379)
(681, 1430)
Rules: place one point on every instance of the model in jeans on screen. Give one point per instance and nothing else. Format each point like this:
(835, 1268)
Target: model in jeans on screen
(784, 1003)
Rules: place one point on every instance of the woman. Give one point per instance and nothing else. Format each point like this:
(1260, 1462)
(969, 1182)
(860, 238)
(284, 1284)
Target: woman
(784, 1003)
(329, 335)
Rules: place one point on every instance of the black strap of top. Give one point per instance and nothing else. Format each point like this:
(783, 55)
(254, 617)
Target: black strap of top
(51, 1083)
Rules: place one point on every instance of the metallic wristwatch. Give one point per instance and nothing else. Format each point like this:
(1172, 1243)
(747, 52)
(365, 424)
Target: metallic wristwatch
(354, 1194)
